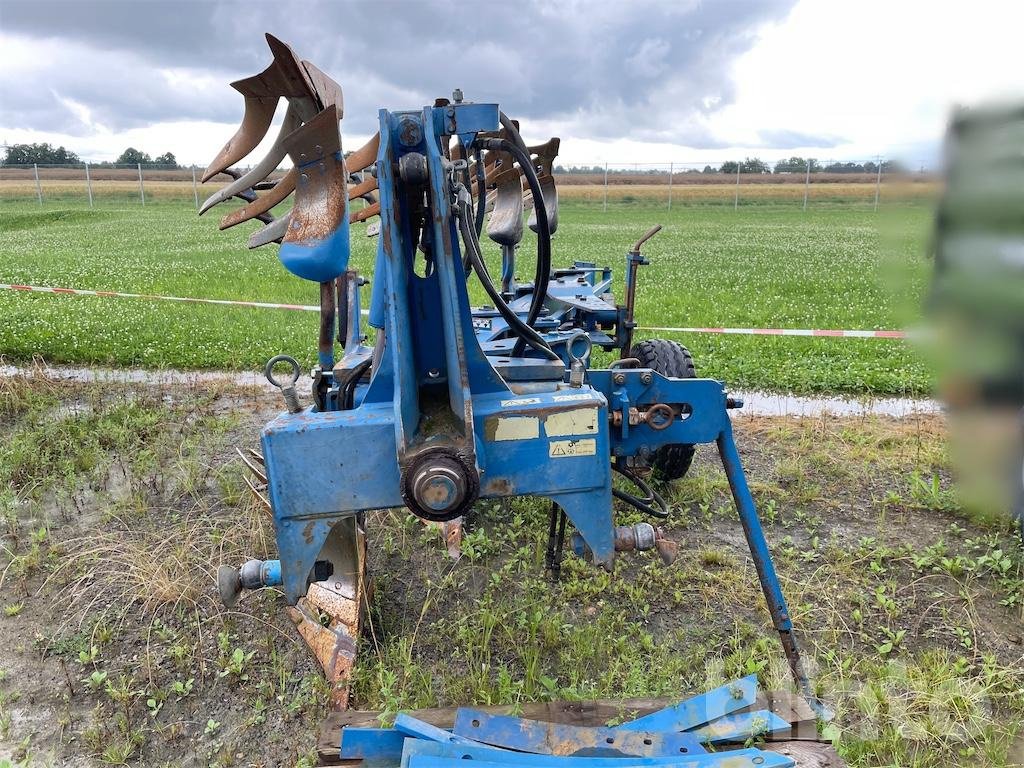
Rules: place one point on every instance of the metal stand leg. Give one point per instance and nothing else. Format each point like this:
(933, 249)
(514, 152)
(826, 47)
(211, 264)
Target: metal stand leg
(765, 568)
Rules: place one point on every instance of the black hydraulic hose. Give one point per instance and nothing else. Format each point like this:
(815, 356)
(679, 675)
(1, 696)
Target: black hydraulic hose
(347, 388)
(641, 503)
(525, 332)
(512, 131)
(481, 191)
(543, 272)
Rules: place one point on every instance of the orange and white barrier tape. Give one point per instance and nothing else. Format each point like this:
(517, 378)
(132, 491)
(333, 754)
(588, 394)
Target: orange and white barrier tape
(186, 300)
(819, 332)
(784, 332)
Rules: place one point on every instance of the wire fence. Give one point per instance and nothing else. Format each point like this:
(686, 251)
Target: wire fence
(733, 183)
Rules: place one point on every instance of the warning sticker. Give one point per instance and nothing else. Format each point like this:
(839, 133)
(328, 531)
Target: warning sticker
(559, 449)
(482, 323)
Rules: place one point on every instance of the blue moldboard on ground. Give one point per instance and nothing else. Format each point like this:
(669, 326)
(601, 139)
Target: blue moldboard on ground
(700, 709)
(560, 739)
(416, 749)
(752, 758)
(738, 728)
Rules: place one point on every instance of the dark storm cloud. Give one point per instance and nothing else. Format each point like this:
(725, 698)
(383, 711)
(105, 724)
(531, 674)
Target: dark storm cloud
(642, 70)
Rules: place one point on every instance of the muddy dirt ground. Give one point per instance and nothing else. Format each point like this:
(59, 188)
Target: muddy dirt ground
(119, 501)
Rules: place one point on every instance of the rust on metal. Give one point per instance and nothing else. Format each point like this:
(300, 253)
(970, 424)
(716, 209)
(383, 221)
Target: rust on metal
(320, 195)
(259, 112)
(363, 157)
(365, 213)
(362, 188)
(264, 202)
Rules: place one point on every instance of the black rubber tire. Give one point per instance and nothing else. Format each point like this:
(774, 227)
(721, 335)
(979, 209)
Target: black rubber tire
(669, 358)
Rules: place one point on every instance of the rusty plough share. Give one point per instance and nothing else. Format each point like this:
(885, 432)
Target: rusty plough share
(453, 404)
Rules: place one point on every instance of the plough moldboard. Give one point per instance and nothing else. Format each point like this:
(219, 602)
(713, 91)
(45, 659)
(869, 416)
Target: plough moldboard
(734, 726)
(452, 403)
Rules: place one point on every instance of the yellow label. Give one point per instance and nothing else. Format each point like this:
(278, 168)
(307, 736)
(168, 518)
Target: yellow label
(517, 428)
(581, 421)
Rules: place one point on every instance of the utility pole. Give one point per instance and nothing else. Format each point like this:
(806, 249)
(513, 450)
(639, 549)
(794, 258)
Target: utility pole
(807, 183)
(142, 190)
(671, 173)
(88, 184)
(39, 189)
(736, 202)
(606, 187)
(878, 182)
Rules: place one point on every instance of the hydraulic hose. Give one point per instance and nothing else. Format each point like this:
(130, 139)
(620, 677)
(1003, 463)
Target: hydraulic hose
(481, 191)
(512, 131)
(543, 272)
(526, 334)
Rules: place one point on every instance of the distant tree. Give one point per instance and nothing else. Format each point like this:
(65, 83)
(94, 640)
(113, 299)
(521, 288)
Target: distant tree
(754, 165)
(893, 166)
(844, 168)
(132, 156)
(797, 165)
(167, 160)
(709, 169)
(43, 154)
(727, 167)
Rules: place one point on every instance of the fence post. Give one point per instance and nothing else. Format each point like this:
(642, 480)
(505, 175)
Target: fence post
(88, 184)
(39, 189)
(142, 190)
(736, 201)
(671, 173)
(807, 183)
(606, 187)
(878, 182)
(195, 189)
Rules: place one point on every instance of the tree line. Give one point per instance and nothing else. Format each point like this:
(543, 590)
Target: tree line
(47, 154)
(752, 165)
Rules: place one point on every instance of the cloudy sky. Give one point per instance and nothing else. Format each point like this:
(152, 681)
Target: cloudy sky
(622, 81)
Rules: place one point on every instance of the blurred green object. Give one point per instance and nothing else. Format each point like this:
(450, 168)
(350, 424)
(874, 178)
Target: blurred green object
(977, 300)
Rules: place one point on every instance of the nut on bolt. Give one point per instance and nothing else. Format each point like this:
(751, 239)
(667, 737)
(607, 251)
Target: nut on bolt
(646, 377)
(619, 378)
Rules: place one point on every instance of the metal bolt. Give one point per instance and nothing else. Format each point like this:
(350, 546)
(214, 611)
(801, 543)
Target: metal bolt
(619, 378)
(646, 378)
(433, 373)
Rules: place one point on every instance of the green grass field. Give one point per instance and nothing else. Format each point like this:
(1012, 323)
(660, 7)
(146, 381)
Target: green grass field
(770, 266)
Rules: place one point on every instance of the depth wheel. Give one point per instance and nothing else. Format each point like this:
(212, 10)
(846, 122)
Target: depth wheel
(669, 358)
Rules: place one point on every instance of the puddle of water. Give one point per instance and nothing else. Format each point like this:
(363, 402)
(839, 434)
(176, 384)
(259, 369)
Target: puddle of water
(755, 403)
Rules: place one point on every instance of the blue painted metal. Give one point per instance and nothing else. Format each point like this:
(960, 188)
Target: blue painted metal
(748, 758)
(444, 377)
(418, 729)
(270, 573)
(485, 754)
(560, 739)
(700, 709)
(372, 745)
(739, 728)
